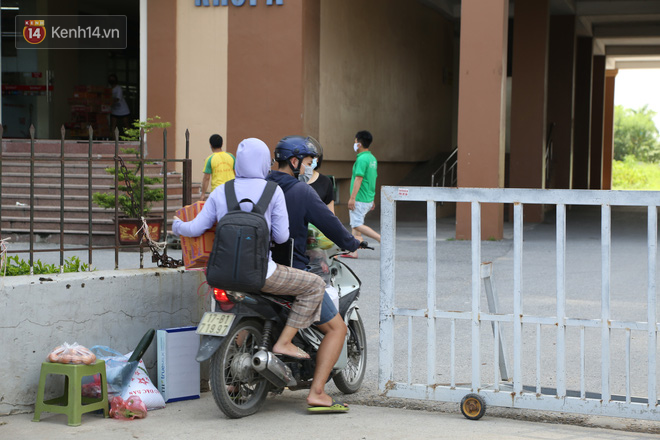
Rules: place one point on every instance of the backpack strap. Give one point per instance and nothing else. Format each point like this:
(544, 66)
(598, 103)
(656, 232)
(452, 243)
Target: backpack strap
(230, 195)
(266, 196)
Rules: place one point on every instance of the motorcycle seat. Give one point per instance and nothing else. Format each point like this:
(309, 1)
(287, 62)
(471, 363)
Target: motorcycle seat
(280, 297)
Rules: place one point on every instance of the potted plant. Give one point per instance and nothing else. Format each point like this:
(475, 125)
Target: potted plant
(131, 185)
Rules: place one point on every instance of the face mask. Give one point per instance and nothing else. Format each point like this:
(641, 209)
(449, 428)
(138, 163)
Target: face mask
(309, 171)
(356, 146)
(314, 163)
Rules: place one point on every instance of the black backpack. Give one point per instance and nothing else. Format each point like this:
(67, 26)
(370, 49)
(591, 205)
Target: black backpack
(239, 258)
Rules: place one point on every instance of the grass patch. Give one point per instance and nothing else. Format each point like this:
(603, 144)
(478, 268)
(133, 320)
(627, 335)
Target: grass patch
(630, 174)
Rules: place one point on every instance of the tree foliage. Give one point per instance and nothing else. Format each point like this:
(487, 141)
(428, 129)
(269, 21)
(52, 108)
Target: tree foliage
(635, 134)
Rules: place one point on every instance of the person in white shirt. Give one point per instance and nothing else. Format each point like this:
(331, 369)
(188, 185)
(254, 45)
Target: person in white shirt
(119, 112)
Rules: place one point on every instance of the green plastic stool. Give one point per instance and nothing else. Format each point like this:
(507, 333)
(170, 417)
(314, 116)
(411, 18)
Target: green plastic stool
(72, 402)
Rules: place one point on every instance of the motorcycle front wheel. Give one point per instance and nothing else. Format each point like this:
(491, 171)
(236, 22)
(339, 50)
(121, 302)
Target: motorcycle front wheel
(349, 380)
(238, 390)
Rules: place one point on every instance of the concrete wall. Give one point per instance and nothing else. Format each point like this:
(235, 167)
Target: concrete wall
(112, 308)
(201, 79)
(386, 67)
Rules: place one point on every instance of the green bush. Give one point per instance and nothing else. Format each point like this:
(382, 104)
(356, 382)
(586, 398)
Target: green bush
(633, 175)
(16, 266)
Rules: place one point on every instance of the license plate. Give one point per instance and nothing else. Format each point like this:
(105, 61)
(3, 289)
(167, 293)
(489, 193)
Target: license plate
(215, 324)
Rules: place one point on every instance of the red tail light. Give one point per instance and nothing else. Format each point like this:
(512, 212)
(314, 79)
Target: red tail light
(222, 299)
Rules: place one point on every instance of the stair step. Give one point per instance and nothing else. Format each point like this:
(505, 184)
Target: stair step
(53, 212)
(20, 175)
(80, 202)
(81, 167)
(51, 146)
(100, 183)
(70, 190)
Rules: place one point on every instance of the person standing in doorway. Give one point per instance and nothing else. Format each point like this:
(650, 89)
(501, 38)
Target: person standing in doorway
(218, 167)
(363, 188)
(119, 112)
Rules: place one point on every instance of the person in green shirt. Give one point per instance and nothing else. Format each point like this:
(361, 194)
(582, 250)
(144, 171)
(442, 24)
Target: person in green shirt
(363, 188)
(218, 167)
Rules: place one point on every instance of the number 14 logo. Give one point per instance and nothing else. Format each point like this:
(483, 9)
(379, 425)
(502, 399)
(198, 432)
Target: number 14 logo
(34, 31)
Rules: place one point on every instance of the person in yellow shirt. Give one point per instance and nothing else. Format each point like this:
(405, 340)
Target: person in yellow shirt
(218, 167)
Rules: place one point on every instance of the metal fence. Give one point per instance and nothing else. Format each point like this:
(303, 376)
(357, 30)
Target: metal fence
(471, 351)
(33, 157)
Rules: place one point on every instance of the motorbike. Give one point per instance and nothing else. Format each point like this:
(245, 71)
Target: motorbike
(240, 329)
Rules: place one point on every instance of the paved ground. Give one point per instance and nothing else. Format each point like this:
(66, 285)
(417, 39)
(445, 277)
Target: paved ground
(285, 417)
(377, 416)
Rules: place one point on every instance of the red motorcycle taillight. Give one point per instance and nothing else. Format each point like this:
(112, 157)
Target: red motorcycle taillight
(222, 299)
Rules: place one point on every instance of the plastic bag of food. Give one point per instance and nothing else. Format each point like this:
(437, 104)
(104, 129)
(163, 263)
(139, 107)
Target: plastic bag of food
(316, 239)
(118, 368)
(129, 409)
(318, 264)
(141, 385)
(71, 354)
(92, 388)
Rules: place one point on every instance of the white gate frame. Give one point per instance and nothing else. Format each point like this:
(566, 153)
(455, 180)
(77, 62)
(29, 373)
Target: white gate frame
(512, 394)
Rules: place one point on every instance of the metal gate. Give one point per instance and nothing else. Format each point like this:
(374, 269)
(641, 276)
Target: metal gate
(575, 338)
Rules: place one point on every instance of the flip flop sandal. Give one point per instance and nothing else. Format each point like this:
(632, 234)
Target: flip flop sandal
(336, 407)
(348, 256)
(302, 356)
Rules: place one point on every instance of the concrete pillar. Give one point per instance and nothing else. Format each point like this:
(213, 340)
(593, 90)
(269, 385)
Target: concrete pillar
(161, 73)
(582, 130)
(481, 109)
(561, 77)
(273, 74)
(597, 114)
(531, 23)
(608, 128)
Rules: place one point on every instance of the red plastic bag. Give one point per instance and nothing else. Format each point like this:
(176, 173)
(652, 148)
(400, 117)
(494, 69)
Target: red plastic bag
(129, 409)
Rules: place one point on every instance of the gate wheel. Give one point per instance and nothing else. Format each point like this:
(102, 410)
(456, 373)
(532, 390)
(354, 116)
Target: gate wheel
(473, 406)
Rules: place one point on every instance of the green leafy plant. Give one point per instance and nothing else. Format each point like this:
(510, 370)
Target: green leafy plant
(16, 266)
(133, 175)
(133, 134)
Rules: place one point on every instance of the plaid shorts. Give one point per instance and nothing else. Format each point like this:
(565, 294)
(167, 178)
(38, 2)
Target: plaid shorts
(305, 286)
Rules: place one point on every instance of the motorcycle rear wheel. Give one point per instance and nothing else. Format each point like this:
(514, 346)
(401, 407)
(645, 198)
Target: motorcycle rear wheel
(349, 380)
(238, 390)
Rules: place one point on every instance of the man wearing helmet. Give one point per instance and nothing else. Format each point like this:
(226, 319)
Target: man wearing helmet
(293, 154)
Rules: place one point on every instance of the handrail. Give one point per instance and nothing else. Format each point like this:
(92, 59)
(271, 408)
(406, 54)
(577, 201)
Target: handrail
(447, 167)
(548, 154)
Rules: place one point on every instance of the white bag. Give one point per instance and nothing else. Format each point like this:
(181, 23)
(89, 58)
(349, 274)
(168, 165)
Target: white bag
(333, 293)
(142, 387)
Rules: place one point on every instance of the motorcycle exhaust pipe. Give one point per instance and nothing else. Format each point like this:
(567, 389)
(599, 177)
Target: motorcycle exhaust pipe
(273, 369)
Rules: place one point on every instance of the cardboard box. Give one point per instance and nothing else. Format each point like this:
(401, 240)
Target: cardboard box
(195, 250)
(178, 371)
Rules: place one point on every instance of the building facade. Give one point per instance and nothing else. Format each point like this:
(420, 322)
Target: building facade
(523, 88)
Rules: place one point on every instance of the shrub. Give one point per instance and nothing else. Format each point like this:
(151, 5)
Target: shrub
(16, 266)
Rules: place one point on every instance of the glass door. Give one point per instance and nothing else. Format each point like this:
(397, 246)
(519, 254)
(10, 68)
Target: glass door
(27, 77)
